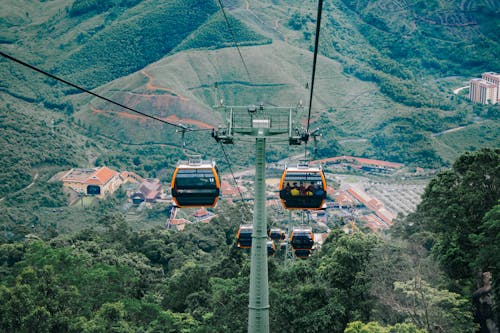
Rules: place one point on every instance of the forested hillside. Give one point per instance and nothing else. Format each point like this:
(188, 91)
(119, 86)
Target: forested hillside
(197, 280)
(387, 82)
(384, 89)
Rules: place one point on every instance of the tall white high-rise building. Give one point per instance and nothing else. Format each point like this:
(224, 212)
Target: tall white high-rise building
(495, 79)
(485, 90)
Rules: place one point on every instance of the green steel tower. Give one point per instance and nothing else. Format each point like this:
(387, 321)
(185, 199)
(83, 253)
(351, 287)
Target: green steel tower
(272, 124)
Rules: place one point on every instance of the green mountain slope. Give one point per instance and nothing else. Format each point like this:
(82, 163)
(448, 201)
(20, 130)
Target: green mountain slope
(144, 34)
(182, 85)
(366, 89)
(96, 42)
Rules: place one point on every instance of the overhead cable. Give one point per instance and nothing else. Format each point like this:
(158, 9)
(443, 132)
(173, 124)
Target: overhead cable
(96, 95)
(234, 37)
(316, 43)
(232, 175)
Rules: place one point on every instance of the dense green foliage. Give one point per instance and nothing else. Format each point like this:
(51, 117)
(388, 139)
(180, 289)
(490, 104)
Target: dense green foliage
(458, 220)
(487, 241)
(145, 34)
(108, 40)
(374, 327)
(422, 38)
(110, 278)
(405, 145)
(127, 46)
(81, 7)
(453, 207)
(216, 34)
(114, 279)
(28, 143)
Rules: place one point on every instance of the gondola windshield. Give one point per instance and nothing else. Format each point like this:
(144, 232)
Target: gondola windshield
(194, 179)
(303, 189)
(196, 186)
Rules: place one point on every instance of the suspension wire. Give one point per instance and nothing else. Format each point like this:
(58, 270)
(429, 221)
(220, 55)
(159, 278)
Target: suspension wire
(232, 175)
(316, 42)
(97, 95)
(234, 37)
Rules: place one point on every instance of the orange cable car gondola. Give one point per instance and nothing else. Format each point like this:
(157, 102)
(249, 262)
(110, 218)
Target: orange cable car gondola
(303, 188)
(244, 236)
(276, 234)
(302, 239)
(195, 184)
(271, 248)
(302, 254)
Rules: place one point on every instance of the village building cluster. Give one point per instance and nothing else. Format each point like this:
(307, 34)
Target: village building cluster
(102, 182)
(372, 206)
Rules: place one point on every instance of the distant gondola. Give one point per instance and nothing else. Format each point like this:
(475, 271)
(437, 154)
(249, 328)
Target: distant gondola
(302, 239)
(277, 234)
(244, 236)
(303, 187)
(302, 253)
(271, 248)
(195, 184)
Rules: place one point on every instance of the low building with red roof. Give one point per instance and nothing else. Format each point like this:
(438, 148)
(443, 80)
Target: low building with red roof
(178, 224)
(342, 198)
(363, 163)
(98, 182)
(376, 206)
(149, 190)
(203, 215)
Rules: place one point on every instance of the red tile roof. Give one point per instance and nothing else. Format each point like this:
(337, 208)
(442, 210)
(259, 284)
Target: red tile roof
(101, 176)
(201, 212)
(90, 176)
(179, 221)
(361, 160)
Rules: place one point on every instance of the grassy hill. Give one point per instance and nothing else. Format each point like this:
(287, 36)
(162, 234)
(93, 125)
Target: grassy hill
(344, 106)
(386, 73)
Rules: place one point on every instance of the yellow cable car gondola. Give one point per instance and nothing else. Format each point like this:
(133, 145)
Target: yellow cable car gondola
(244, 236)
(302, 254)
(271, 248)
(195, 184)
(277, 234)
(302, 239)
(303, 187)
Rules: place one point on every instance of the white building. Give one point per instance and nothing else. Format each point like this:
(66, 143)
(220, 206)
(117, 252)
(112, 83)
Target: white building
(483, 91)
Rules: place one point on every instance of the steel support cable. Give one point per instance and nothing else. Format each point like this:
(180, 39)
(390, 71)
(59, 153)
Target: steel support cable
(316, 43)
(226, 156)
(234, 37)
(97, 95)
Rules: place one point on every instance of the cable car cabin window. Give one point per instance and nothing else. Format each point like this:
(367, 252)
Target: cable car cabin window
(302, 253)
(276, 234)
(271, 248)
(303, 190)
(244, 236)
(194, 179)
(302, 239)
(195, 188)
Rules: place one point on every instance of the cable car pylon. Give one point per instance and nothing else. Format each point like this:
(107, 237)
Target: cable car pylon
(264, 124)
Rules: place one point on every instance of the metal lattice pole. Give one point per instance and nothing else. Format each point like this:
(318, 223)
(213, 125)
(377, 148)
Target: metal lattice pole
(262, 124)
(258, 315)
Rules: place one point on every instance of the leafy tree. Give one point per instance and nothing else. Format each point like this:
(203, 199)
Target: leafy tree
(189, 279)
(489, 250)
(434, 309)
(296, 21)
(344, 267)
(453, 206)
(374, 327)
